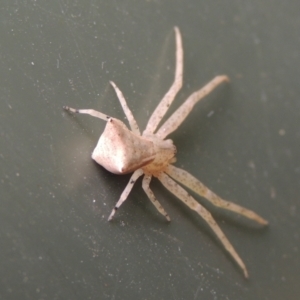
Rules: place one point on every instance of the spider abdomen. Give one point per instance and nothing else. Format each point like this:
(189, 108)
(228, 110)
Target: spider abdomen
(121, 151)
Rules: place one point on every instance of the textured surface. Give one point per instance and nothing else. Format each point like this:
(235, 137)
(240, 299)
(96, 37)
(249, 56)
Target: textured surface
(242, 142)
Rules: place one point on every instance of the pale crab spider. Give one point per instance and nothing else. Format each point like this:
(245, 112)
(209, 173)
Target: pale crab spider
(122, 151)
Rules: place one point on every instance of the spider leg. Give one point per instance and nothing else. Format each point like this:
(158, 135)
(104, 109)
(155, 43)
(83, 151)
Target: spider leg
(182, 112)
(145, 185)
(182, 194)
(195, 185)
(91, 112)
(167, 100)
(132, 122)
(127, 190)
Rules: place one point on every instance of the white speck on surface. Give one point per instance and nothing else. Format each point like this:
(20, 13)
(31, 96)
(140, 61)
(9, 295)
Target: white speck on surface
(281, 132)
(210, 113)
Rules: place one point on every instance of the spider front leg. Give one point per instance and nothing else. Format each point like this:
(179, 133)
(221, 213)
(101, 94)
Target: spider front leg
(91, 112)
(146, 187)
(126, 191)
(182, 112)
(187, 199)
(167, 100)
(132, 122)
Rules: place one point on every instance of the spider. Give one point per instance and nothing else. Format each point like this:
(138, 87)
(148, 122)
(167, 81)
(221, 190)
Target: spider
(121, 151)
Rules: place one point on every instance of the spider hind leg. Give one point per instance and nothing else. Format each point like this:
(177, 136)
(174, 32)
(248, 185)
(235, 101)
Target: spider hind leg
(126, 192)
(151, 196)
(187, 199)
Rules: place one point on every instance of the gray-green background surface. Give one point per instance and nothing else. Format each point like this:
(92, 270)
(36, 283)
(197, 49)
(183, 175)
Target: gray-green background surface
(242, 141)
